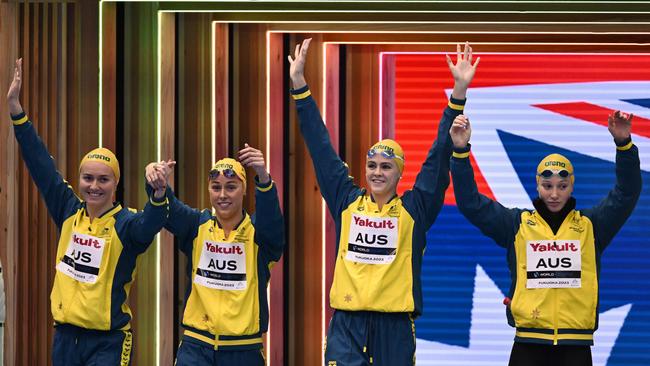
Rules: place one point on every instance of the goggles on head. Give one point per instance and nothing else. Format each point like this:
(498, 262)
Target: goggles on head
(547, 173)
(388, 154)
(228, 173)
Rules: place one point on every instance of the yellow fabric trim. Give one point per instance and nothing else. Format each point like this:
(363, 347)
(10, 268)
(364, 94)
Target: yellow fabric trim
(582, 337)
(127, 346)
(20, 121)
(265, 189)
(240, 342)
(200, 337)
(301, 95)
(163, 203)
(549, 337)
(460, 155)
(232, 342)
(455, 106)
(626, 147)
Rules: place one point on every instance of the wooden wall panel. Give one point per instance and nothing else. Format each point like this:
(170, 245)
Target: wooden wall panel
(8, 180)
(331, 114)
(276, 154)
(305, 230)
(167, 129)
(362, 107)
(41, 34)
(193, 134)
(139, 145)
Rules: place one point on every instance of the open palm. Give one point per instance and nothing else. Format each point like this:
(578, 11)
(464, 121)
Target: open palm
(463, 70)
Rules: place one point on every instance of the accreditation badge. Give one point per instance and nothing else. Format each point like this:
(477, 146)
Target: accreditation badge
(553, 264)
(83, 258)
(372, 240)
(222, 266)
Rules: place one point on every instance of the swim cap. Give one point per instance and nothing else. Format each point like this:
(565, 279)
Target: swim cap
(228, 164)
(389, 149)
(555, 162)
(104, 156)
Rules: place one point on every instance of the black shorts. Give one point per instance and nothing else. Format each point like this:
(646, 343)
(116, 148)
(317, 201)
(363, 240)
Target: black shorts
(532, 354)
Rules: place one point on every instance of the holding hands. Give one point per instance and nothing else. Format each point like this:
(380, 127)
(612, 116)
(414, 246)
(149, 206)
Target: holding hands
(157, 175)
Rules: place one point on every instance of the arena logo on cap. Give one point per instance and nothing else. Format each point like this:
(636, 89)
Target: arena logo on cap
(99, 156)
(223, 166)
(555, 163)
(385, 148)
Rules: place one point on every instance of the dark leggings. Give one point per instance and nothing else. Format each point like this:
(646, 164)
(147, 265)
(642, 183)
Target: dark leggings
(532, 354)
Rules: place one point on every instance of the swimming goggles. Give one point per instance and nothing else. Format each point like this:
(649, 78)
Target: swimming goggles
(228, 173)
(388, 154)
(547, 173)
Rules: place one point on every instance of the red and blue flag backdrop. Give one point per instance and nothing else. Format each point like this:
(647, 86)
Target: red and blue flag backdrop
(524, 106)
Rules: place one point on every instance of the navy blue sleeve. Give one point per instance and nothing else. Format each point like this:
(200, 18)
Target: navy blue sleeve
(332, 174)
(143, 226)
(183, 222)
(60, 199)
(268, 220)
(428, 193)
(493, 219)
(609, 215)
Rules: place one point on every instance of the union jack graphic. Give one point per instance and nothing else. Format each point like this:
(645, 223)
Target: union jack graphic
(523, 107)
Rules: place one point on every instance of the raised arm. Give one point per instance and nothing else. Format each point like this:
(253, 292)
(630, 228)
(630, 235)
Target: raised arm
(268, 220)
(610, 214)
(433, 179)
(57, 193)
(183, 221)
(492, 218)
(331, 172)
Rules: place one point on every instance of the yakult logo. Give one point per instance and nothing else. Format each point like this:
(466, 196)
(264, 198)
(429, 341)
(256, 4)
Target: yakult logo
(89, 241)
(554, 247)
(366, 222)
(212, 248)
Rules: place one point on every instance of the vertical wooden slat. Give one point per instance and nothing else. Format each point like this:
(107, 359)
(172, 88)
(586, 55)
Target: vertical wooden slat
(276, 97)
(331, 108)
(8, 180)
(88, 81)
(220, 50)
(361, 107)
(167, 117)
(46, 130)
(305, 230)
(34, 222)
(109, 75)
(388, 97)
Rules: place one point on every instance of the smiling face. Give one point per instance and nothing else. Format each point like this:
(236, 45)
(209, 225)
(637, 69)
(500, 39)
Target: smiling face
(382, 176)
(226, 196)
(555, 192)
(97, 184)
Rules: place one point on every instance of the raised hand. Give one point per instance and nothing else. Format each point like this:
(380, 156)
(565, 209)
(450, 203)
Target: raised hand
(463, 71)
(460, 131)
(297, 68)
(13, 95)
(253, 158)
(619, 125)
